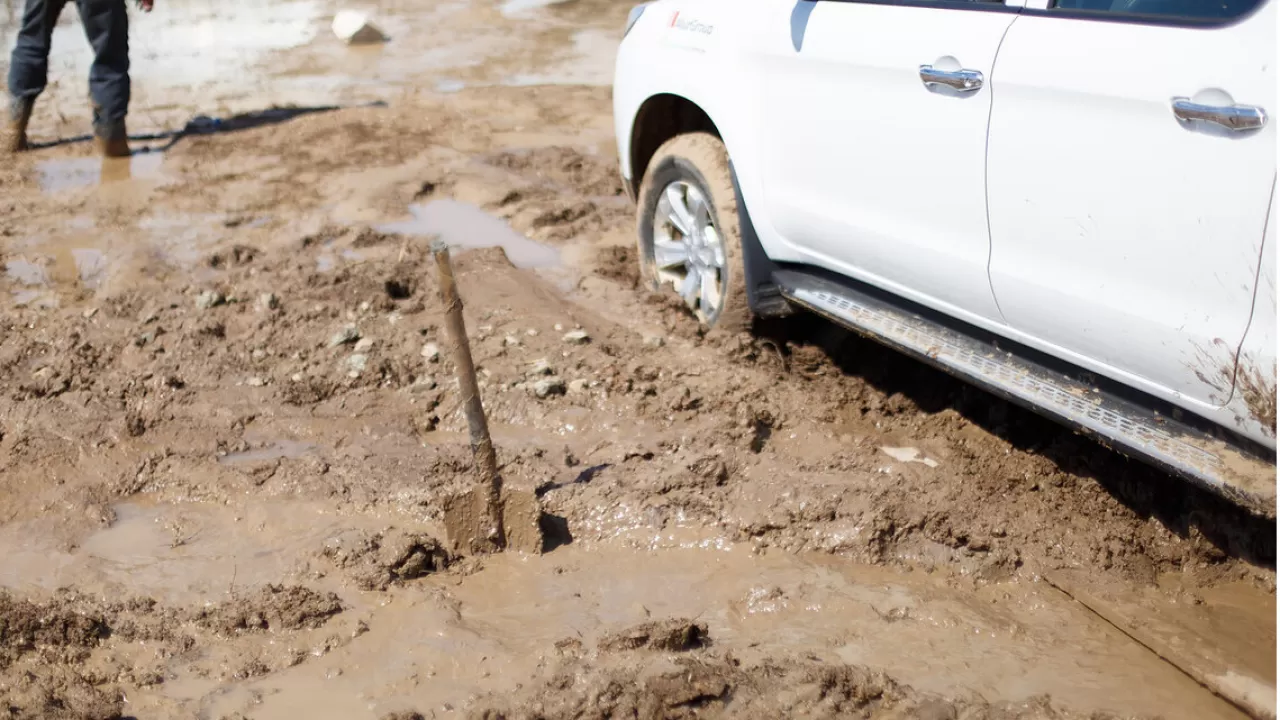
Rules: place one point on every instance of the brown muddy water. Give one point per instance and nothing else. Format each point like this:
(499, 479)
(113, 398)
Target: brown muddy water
(467, 226)
(445, 641)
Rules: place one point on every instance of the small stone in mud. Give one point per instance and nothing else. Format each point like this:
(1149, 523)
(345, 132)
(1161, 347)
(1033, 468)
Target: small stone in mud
(364, 345)
(674, 635)
(579, 386)
(255, 382)
(654, 341)
(90, 313)
(209, 299)
(431, 352)
(711, 468)
(267, 302)
(510, 341)
(423, 384)
(347, 335)
(577, 337)
(357, 363)
(541, 366)
(548, 386)
(531, 332)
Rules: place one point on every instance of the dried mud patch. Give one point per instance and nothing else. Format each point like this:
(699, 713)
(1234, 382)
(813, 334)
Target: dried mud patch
(1259, 391)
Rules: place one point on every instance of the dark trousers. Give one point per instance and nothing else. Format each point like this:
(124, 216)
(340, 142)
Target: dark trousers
(106, 23)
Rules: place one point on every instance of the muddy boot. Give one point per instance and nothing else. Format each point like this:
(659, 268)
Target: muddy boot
(113, 140)
(14, 139)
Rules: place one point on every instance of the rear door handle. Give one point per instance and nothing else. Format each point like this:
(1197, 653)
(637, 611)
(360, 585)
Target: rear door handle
(962, 80)
(1237, 118)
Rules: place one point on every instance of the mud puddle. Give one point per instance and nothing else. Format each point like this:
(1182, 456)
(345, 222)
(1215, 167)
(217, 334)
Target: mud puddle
(192, 57)
(186, 554)
(79, 259)
(62, 174)
(464, 225)
(34, 279)
(1224, 637)
(439, 645)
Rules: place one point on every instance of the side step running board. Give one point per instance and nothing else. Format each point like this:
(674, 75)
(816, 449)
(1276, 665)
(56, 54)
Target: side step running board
(1177, 447)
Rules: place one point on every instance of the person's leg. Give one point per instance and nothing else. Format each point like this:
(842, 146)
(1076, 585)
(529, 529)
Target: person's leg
(29, 67)
(106, 23)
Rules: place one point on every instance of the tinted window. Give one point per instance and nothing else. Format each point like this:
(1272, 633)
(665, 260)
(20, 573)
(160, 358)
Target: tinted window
(1208, 10)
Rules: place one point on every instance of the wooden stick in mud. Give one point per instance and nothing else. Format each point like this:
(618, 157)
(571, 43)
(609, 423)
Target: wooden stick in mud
(490, 484)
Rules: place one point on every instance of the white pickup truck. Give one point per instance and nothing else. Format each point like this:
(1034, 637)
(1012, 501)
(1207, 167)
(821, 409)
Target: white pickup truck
(1067, 202)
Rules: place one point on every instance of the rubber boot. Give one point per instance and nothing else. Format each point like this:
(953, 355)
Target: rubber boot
(15, 135)
(113, 142)
(111, 138)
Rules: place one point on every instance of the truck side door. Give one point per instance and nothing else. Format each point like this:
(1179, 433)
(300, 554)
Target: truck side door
(1130, 168)
(872, 130)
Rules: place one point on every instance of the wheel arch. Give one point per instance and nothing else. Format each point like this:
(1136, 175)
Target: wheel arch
(665, 115)
(660, 118)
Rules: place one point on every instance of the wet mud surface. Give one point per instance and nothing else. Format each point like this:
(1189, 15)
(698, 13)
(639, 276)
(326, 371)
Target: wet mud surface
(228, 430)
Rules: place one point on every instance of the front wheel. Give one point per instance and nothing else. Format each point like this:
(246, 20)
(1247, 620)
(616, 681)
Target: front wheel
(690, 239)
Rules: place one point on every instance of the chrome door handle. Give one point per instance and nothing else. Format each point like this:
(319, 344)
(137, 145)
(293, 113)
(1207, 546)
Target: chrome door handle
(1236, 118)
(962, 80)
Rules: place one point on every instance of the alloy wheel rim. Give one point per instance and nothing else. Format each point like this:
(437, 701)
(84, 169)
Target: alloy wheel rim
(688, 252)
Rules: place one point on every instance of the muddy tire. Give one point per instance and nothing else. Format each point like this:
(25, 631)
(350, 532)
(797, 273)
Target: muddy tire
(690, 240)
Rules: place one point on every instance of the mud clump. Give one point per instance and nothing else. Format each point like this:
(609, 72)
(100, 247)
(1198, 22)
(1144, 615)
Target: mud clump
(675, 635)
(59, 633)
(721, 686)
(46, 693)
(308, 391)
(273, 608)
(51, 629)
(376, 561)
(618, 263)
